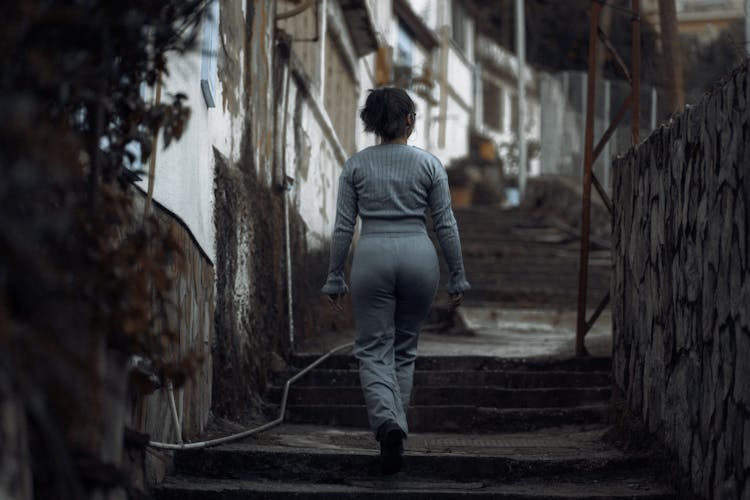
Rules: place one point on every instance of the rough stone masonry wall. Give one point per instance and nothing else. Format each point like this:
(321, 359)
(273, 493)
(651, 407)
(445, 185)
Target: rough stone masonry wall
(194, 297)
(681, 287)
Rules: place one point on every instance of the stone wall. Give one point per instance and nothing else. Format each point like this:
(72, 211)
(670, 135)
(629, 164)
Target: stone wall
(194, 297)
(681, 287)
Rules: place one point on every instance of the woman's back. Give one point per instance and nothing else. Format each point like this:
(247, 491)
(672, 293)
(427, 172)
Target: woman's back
(393, 181)
(390, 186)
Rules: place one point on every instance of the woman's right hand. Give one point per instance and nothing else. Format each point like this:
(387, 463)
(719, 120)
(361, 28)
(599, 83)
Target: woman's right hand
(455, 299)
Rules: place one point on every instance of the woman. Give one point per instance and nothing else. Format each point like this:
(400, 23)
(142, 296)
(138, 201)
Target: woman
(395, 269)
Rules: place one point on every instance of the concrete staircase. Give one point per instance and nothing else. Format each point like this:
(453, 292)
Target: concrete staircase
(481, 428)
(455, 393)
(514, 258)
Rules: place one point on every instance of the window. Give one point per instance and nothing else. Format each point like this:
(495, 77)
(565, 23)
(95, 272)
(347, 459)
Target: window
(458, 22)
(492, 97)
(404, 45)
(403, 61)
(209, 49)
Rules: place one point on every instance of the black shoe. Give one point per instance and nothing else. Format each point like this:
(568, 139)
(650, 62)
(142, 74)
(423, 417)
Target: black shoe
(391, 448)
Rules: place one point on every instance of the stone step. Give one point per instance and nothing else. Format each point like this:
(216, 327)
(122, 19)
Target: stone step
(503, 289)
(632, 488)
(321, 454)
(533, 296)
(557, 284)
(489, 397)
(302, 461)
(563, 277)
(455, 418)
(511, 266)
(473, 363)
(530, 254)
(498, 378)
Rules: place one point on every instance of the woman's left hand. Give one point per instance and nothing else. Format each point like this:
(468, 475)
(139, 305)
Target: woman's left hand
(336, 301)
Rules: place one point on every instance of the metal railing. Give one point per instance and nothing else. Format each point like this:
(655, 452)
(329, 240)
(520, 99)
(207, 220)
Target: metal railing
(591, 153)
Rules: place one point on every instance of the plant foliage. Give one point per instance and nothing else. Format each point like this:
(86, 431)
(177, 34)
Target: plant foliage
(84, 274)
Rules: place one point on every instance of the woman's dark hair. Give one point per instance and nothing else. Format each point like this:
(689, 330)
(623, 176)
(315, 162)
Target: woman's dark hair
(385, 112)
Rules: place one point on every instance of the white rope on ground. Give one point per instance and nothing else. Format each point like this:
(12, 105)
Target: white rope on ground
(250, 432)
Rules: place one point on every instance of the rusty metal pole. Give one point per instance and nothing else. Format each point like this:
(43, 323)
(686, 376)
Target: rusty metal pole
(636, 73)
(583, 268)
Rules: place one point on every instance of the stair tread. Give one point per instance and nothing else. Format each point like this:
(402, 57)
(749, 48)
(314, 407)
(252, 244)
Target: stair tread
(509, 372)
(546, 444)
(476, 363)
(563, 409)
(467, 387)
(399, 487)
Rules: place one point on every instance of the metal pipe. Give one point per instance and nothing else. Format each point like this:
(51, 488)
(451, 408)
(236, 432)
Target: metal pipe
(599, 310)
(323, 34)
(287, 185)
(583, 266)
(250, 432)
(443, 79)
(607, 116)
(613, 126)
(173, 408)
(521, 55)
(616, 55)
(288, 252)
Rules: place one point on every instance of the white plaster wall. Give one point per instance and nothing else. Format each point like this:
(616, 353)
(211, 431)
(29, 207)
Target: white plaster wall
(382, 12)
(457, 123)
(367, 82)
(184, 174)
(315, 187)
(460, 76)
(420, 137)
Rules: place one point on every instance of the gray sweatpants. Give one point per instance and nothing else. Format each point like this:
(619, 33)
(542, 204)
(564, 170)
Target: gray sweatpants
(393, 280)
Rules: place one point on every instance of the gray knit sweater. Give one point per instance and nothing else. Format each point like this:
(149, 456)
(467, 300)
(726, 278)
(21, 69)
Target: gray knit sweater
(390, 186)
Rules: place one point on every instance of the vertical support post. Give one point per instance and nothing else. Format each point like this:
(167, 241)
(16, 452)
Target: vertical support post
(636, 72)
(443, 79)
(521, 55)
(478, 98)
(654, 104)
(584, 107)
(607, 119)
(587, 164)
(322, 38)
